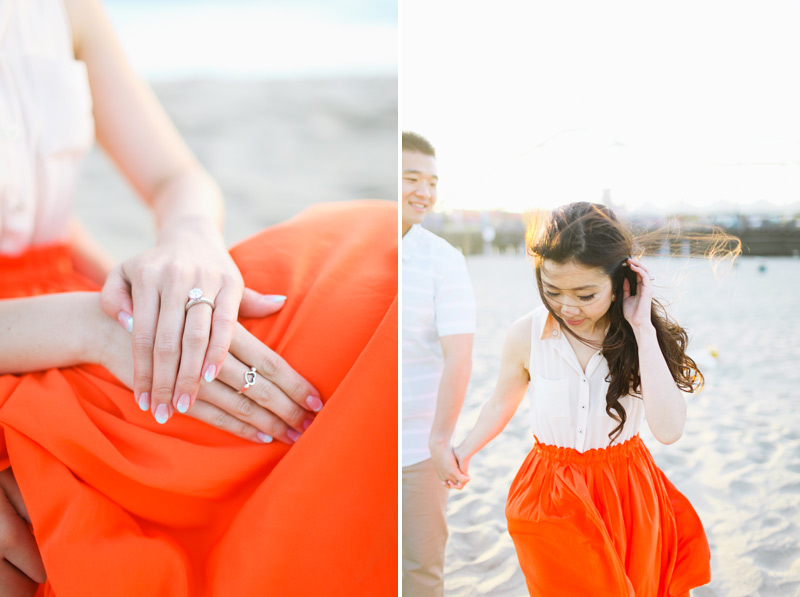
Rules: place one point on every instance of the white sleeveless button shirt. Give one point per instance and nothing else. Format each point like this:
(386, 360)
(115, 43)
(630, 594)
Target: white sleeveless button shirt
(568, 405)
(46, 123)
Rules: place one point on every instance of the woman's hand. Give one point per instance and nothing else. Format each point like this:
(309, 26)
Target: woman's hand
(173, 347)
(279, 404)
(21, 566)
(271, 402)
(462, 460)
(637, 308)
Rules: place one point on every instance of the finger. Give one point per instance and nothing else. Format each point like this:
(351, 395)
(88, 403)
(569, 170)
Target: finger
(194, 343)
(626, 289)
(146, 302)
(167, 350)
(266, 394)
(14, 583)
(223, 324)
(18, 545)
(248, 349)
(115, 298)
(260, 305)
(235, 413)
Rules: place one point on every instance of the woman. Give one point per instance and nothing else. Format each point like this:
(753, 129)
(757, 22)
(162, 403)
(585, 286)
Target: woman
(120, 503)
(589, 511)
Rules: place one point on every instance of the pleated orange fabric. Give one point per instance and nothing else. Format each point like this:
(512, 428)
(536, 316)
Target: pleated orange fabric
(123, 506)
(604, 522)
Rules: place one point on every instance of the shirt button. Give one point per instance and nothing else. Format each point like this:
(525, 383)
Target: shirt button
(555, 333)
(581, 431)
(584, 406)
(13, 131)
(583, 380)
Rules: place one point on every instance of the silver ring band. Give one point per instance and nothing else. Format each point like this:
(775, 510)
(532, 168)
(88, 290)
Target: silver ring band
(249, 379)
(197, 301)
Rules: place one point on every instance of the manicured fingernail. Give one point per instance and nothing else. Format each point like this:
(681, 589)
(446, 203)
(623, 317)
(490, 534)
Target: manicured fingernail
(162, 413)
(183, 403)
(211, 370)
(314, 403)
(126, 319)
(144, 401)
(274, 298)
(293, 435)
(264, 437)
(307, 423)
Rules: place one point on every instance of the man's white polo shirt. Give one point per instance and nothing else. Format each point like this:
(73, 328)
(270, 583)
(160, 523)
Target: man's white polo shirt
(437, 301)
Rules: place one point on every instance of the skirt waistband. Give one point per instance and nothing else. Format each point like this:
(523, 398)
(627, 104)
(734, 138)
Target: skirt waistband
(571, 455)
(47, 259)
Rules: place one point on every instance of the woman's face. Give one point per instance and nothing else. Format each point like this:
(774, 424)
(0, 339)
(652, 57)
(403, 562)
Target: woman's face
(581, 295)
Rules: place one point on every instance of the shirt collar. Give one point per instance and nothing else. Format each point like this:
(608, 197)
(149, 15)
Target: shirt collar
(411, 241)
(550, 329)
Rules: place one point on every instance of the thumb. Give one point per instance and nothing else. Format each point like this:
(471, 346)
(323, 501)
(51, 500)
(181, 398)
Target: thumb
(260, 305)
(115, 298)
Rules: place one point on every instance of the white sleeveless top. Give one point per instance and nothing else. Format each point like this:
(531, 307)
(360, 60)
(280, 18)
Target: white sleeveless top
(568, 405)
(46, 124)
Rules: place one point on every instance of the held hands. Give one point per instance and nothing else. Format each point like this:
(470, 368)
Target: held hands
(447, 468)
(636, 308)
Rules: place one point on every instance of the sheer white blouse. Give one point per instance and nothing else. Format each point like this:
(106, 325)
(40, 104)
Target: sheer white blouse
(46, 123)
(568, 404)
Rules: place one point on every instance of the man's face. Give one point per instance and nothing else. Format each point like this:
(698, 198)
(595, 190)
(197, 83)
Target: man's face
(419, 187)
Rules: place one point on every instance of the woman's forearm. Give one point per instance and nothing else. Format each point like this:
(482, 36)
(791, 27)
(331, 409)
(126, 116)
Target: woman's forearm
(493, 418)
(188, 201)
(56, 330)
(664, 404)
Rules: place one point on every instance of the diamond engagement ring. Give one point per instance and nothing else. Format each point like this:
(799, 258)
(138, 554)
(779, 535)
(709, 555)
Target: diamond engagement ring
(196, 297)
(249, 379)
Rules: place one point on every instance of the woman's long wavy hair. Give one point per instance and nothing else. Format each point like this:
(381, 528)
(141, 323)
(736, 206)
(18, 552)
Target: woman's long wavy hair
(591, 235)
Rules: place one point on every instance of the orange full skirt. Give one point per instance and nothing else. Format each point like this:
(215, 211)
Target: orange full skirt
(123, 506)
(604, 522)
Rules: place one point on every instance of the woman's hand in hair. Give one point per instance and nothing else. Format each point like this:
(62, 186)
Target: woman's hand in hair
(637, 308)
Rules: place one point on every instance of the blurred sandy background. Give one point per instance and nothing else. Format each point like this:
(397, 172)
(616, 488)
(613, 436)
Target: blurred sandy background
(738, 460)
(274, 146)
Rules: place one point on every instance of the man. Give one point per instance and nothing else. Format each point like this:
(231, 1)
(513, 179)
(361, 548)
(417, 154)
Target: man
(438, 329)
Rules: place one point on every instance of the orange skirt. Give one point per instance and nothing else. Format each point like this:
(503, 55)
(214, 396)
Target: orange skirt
(123, 506)
(604, 522)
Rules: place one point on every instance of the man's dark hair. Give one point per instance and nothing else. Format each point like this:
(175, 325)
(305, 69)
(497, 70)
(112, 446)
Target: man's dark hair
(418, 143)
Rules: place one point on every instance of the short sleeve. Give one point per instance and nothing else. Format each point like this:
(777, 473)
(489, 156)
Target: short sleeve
(454, 300)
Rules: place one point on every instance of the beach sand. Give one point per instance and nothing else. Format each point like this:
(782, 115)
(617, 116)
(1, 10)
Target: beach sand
(274, 146)
(738, 460)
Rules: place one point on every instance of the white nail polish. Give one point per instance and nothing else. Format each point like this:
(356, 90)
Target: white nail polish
(183, 403)
(162, 414)
(126, 320)
(274, 298)
(264, 437)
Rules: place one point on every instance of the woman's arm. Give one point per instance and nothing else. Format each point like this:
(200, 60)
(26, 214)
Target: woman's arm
(172, 349)
(664, 404)
(55, 330)
(512, 382)
(66, 329)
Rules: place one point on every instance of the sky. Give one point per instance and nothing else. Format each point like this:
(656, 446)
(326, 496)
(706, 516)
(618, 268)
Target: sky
(667, 104)
(168, 39)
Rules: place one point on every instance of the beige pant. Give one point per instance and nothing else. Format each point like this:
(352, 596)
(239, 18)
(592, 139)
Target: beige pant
(424, 531)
